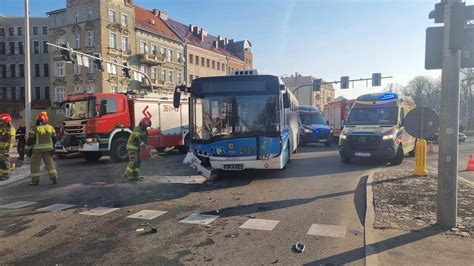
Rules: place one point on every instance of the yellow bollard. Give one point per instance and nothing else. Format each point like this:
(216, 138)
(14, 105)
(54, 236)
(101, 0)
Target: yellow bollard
(420, 159)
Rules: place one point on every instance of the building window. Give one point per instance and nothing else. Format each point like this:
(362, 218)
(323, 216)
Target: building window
(191, 77)
(3, 92)
(154, 49)
(208, 63)
(12, 47)
(170, 76)
(20, 48)
(35, 31)
(11, 31)
(13, 71)
(112, 69)
(45, 47)
(197, 60)
(45, 30)
(153, 73)
(60, 94)
(203, 61)
(22, 93)
(36, 48)
(77, 41)
(90, 38)
(2, 48)
(163, 74)
(112, 16)
(191, 59)
(22, 70)
(60, 69)
(2, 32)
(218, 65)
(3, 71)
(178, 57)
(179, 78)
(90, 63)
(223, 67)
(89, 13)
(124, 19)
(90, 88)
(169, 55)
(46, 70)
(142, 47)
(13, 93)
(213, 64)
(37, 70)
(124, 43)
(76, 17)
(143, 68)
(46, 93)
(113, 89)
(20, 31)
(37, 93)
(77, 89)
(112, 39)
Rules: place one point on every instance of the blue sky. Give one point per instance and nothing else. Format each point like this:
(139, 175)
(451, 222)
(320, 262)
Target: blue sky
(324, 38)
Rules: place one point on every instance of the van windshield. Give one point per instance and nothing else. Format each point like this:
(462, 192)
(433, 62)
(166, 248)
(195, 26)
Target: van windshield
(386, 116)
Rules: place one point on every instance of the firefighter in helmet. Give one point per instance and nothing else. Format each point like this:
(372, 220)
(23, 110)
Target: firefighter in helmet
(7, 137)
(39, 146)
(135, 142)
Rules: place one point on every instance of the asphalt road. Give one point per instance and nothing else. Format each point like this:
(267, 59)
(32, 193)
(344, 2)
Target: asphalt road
(316, 194)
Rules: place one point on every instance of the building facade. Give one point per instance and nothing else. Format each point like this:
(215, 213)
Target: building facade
(12, 64)
(302, 87)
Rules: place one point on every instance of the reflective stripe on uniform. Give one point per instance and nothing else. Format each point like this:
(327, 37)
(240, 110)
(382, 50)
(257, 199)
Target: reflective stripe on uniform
(53, 172)
(5, 171)
(43, 147)
(35, 174)
(129, 170)
(132, 147)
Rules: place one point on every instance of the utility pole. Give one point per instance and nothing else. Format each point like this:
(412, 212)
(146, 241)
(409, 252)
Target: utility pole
(27, 69)
(449, 125)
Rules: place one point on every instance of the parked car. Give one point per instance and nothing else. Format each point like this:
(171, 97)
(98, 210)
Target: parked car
(435, 137)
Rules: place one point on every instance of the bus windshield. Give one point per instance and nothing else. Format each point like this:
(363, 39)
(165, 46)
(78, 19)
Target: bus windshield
(81, 109)
(235, 116)
(312, 119)
(385, 116)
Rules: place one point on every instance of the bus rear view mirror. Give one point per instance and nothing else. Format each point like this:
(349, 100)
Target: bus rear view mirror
(176, 99)
(286, 100)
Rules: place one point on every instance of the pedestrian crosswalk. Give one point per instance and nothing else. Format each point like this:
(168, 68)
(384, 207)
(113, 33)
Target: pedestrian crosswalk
(253, 223)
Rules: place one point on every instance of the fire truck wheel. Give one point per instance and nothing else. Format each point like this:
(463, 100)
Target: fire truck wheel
(92, 156)
(119, 153)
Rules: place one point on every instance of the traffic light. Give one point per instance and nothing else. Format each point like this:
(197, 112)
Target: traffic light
(66, 53)
(345, 82)
(126, 70)
(376, 79)
(98, 62)
(438, 13)
(317, 84)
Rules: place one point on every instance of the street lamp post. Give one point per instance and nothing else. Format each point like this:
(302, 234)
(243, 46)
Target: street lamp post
(27, 70)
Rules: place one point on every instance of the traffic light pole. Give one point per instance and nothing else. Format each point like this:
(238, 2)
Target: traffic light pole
(449, 127)
(106, 61)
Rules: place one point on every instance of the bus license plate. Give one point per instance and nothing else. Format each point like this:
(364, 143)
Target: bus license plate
(233, 166)
(362, 154)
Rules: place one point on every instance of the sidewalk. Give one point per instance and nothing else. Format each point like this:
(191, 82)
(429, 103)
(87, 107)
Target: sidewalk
(21, 171)
(401, 222)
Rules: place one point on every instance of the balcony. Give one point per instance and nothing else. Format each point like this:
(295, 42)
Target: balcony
(151, 59)
(113, 51)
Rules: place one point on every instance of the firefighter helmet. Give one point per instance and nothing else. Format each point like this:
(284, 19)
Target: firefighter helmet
(146, 122)
(43, 116)
(6, 118)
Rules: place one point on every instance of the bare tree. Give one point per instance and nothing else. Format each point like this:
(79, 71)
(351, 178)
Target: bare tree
(425, 91)
(393, 87)
(467, 97)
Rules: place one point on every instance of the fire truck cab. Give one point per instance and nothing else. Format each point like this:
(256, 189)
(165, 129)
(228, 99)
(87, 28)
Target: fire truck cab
(98, 124)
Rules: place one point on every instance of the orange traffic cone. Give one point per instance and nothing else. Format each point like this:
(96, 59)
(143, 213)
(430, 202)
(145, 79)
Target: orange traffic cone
(470, 163)
(431, 148)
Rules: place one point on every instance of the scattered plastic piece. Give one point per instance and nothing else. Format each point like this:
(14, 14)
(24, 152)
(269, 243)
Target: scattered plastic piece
(299, 247)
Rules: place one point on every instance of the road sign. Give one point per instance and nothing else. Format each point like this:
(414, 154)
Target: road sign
(345, 82)
(421, 122)
(434, 48)
(376, 79)
(317, 84)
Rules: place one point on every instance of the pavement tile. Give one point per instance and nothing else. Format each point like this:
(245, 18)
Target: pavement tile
(55, 208)
(260, 224)
(147, 214)
(327, 230)
(99, 211)
(197, 218)
(17, 205)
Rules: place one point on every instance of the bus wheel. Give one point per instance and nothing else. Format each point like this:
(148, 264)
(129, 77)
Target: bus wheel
(185, 148)
(399, 157)
(91, 156)
(119, 152)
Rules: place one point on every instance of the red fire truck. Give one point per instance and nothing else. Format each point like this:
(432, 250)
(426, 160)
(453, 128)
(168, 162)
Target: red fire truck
(98, 124)
(336, 113)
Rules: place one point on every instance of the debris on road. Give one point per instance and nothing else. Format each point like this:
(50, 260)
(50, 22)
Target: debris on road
(46, 231)
(146, 231)
(298, 247)
(252, 216)
(275, 261)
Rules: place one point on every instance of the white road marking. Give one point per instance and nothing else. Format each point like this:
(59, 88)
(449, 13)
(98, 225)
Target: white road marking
(197, 218)
(99, 211)
(147, 214)
(17, 205)
(327, 230)
(260, 224)
(55, 208)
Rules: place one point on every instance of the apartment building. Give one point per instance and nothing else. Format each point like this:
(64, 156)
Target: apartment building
(302, 87)
(12, 64)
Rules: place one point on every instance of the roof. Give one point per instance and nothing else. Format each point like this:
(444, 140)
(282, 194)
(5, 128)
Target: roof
(143, 20)
(62, 10)
(192, 39)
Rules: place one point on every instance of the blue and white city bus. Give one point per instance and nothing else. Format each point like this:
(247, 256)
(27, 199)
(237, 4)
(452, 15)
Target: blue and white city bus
(240, 122)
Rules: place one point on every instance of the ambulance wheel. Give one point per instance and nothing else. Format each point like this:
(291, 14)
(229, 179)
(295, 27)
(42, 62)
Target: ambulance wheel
(413, 152)
(91, 156)
(119, 153)
(399, 157)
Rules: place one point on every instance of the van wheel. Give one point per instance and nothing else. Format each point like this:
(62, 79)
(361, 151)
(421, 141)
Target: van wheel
(119, 152)
(399, 157)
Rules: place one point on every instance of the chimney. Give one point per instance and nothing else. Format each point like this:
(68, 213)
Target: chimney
(129, 2)
(219, 38)
(231, 41)
(202, 34)
(155, 12)
(163, 15)
(216, 44)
